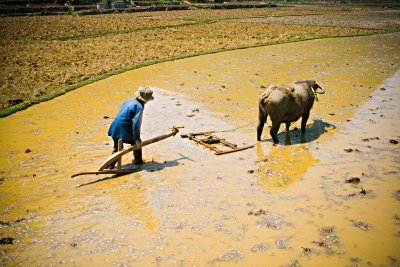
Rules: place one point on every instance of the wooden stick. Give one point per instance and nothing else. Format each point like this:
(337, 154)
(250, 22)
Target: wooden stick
(192, 137)
(119, 154)
(194, 134)
(113, 171)
(233, 150)
(119, 162)
(233, 146)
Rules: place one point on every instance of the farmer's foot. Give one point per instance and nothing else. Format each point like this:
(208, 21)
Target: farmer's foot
(138, 162)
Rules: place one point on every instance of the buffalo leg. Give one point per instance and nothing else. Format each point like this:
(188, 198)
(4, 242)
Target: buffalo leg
(274, 132)
(304, 121)
(287, 139)
(287, 126)
(262, 118)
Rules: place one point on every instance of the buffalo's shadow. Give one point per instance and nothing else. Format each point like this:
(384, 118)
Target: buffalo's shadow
(151, 166)
(295, 136)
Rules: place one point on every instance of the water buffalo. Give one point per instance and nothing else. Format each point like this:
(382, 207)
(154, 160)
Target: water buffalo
(286, 104)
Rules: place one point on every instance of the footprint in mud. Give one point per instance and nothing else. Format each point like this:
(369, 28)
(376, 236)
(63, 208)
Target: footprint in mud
(293, 263)
(308, 251)
(397, 195)
(236, 233)
(353, 180)
(394, 261)
(396, 218)
(329, 241)
(232, 255)
(369, 139)
(361, 225)
(257, 213)
(349, 150)
(160, 259)
(364, 193)
(355, 261)
(281, 243)
(270, 220)
(259, 247)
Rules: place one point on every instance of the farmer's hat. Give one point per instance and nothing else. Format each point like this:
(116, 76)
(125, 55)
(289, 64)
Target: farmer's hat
(145, 94)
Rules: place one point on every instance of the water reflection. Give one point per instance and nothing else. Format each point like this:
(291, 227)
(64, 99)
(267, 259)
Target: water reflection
(283, 166)
(286, 164)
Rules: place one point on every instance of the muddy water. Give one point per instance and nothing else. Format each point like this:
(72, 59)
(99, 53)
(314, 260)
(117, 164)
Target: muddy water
(270, 205)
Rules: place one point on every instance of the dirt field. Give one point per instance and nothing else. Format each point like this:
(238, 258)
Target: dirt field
(41, 55)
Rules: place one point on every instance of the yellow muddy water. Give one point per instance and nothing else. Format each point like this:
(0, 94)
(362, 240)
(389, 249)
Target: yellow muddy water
(266, 206)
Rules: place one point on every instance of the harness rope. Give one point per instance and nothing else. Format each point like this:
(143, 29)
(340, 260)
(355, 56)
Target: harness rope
(236, 128)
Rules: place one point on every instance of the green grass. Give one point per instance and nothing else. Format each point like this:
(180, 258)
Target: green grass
(10, 110)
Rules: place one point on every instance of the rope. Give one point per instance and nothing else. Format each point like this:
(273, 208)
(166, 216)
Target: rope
(316, 97)
(234, 129)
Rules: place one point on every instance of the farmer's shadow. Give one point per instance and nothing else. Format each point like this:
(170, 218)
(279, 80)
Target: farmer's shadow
(151, 166)
(313, 132)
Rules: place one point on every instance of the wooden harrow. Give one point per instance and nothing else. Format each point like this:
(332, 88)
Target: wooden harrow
(211, 141)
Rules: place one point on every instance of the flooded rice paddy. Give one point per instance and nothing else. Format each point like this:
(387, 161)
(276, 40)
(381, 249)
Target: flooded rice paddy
(329, 198)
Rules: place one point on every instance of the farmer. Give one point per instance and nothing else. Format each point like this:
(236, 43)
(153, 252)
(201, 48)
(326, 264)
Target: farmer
(127, 123)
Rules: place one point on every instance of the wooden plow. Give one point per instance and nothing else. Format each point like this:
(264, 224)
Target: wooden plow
(211, 141)
(118, 155)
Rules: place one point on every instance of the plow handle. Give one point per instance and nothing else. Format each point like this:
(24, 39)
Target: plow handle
(119, 154)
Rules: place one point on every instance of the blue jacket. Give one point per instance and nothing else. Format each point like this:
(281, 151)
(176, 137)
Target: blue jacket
(127, 123)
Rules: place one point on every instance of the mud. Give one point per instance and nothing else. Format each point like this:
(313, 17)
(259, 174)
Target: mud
(187, 206)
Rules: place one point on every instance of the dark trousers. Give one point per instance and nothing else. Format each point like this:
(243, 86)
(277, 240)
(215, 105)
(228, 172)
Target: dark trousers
(137, 155)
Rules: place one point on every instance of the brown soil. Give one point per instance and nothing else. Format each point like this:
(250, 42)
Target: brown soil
(32, 65)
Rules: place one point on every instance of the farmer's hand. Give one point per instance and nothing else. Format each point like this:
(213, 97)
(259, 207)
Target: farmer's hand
(138, 143)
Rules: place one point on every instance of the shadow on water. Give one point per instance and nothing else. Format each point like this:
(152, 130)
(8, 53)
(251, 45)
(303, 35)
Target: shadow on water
(151, 166)
(313, 132)
(287, 163)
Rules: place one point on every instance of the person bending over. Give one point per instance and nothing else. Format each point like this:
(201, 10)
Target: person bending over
(127, 123)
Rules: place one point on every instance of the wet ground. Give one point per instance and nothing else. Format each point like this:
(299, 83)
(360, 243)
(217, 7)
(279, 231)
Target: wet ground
(329, 198)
